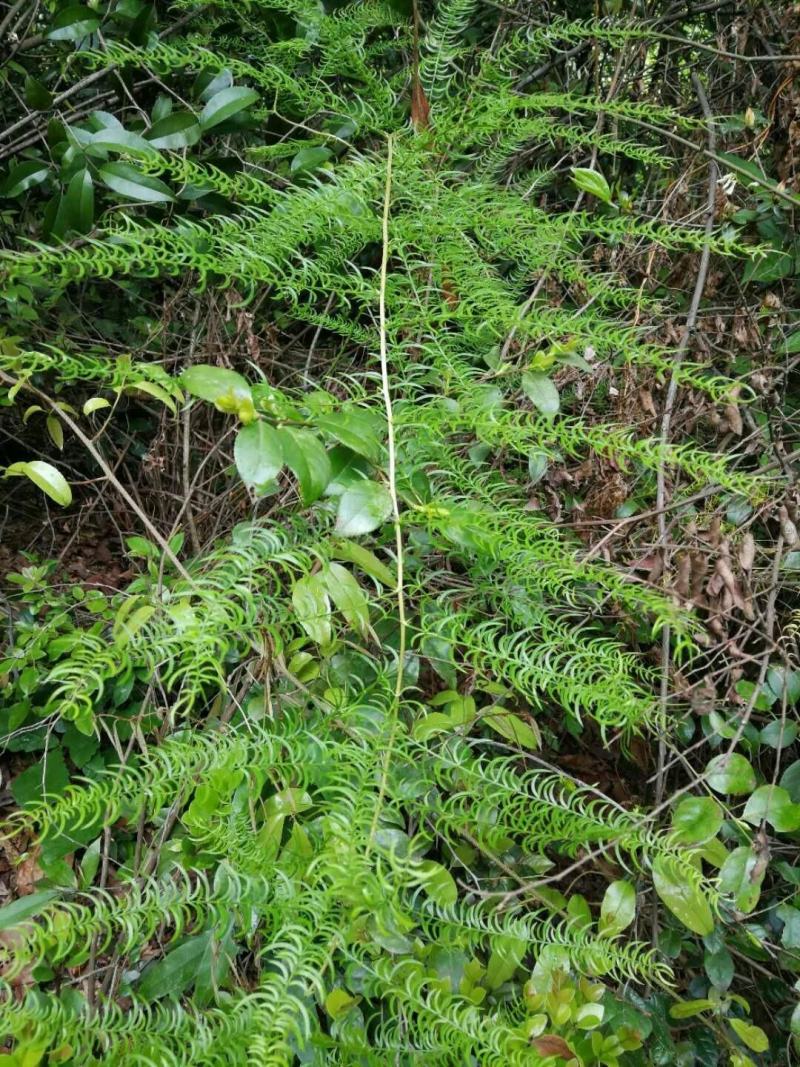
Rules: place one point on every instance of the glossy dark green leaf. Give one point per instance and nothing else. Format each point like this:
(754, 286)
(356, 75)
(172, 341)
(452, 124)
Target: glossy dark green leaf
(132, 184)
(46, 778)
(37, 95)
(73, 23)
(360, 431)
(25, 176)
(306, 457)
(180, 129)
(179, 969)
(311, 158)
(226, 103)
(79, 202)
(696, 819)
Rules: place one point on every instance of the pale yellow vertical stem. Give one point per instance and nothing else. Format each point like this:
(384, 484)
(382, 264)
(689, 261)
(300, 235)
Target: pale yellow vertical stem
(392, 480)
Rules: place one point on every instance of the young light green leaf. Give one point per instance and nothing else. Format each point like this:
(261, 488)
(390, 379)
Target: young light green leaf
(225, 103)
(347, 595)
(513, 728)
(50, 480)
(363, 508)
(687, 1009)
(592, 182)
(731, 774)
(95, 403)
(225, 389)
(365, 560)
(56, 431)
(439, 883)
(684, 899)
(618, 908)
(541, 392)
(258, 453)
(313, 608)
(753, 1036)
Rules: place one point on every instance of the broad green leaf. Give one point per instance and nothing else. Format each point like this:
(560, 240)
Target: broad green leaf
(339, 1002)
(790, 781)
(513, 728)
(753, 1036)
(347, 595)
(618, 908)
(790, 917)
(180, 129)
(26, 907)
(773, 804)
(365, 560)
(358, 430)
(696, 819)
(719, 967)
(439, 883)
(132, 184)
(73, 23)
(687, 1009)
(56, 431)
(436, 722)
(50, 480)
(179, 969)
(225, 103)
(313, 608)
(506, 956)
(347, 468)
(538, 463)
(47, 778)
(225, 389)
(592, 182)
(95, 403)
(363, 508)
(541, 392)
(589, 1016)
(310, 158)
(151, 389)
(778, 735)
(685, 900)
(25, 176)
(118, 139)
(37, 95)
(306, 457)
(79, 202)
(741, 876)
(731, 774)
(258, 452)
(780, 680)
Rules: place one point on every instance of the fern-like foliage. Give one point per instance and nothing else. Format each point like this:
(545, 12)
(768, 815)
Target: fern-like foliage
(305, 859)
